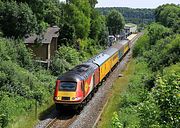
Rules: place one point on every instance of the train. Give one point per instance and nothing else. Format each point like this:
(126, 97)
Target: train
(75, 87)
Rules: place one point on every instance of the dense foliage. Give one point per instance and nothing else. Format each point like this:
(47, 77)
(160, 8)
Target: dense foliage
(19, 17)
(169, 15)
(136, 16)
(16, 19)
(152, 99)
(115, 22)
(21, 83)
(65, 59)
(80, 21)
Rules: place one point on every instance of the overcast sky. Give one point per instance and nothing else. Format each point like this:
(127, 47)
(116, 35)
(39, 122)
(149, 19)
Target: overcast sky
(134, 3)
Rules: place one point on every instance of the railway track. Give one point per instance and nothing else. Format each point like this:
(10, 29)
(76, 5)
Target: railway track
(62, 121)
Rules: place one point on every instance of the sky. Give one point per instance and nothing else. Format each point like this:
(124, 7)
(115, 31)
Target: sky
(134, 3)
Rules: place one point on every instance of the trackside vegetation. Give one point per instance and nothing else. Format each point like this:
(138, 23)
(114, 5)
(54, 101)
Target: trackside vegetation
(152, 99)
(22, 83)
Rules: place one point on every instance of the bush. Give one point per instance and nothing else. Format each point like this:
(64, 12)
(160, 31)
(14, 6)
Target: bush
(16, 51)
(65, 59)
(132, 98)
(166, 95)
(115, 121)
(164, 53)
(20, 87)
(141, 45)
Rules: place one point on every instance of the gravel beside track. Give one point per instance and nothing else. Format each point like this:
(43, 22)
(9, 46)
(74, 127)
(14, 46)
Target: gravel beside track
(58, 120)
(47, 120)
(63, 121)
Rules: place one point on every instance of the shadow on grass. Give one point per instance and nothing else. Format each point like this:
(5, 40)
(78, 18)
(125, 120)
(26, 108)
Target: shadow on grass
(46, 113)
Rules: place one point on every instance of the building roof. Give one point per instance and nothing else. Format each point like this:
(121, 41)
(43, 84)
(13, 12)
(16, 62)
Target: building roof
(45, 37)
(129, 25)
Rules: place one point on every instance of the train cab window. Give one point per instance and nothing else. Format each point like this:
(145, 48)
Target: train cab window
(67, 86)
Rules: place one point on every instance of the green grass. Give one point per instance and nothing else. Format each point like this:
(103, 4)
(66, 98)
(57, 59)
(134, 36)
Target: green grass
(31, 119)
(119, 86)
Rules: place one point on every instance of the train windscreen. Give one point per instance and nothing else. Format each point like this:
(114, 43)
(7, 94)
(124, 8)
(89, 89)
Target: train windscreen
(67, 86)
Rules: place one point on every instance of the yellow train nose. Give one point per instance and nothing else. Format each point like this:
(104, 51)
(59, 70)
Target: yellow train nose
(66, 96)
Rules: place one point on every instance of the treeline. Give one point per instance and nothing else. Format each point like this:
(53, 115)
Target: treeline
(136, 16)
(153, 96)
(77, 19)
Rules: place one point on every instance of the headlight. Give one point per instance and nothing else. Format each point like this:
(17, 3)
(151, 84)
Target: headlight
(58, 98)
(76, 98)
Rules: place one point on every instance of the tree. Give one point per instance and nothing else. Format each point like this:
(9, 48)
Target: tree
(64, 60)
(93, 3)
(157, 31)
(166, 95)
(17, 20)
(97, 24)
(160, 108)
(115, 22)
(78, 15)
(169, 16)
(66, 34)
(45, 10)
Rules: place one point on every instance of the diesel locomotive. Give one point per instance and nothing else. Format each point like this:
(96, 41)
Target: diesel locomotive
(74, 87)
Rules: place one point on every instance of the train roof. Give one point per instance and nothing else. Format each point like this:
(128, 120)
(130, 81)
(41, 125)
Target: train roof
(117, 46)
(120, 44)
(100, 59)
(123, 42)
(110, 51)
(80, 72)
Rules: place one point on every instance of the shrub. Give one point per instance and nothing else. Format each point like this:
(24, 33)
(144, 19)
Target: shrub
(115, 121)
(65, 59)
(16, 51)
(166, 95)
(141, 45)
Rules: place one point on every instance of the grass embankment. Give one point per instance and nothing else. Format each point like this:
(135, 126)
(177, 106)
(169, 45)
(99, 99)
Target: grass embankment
(119, 86)
(30, 119)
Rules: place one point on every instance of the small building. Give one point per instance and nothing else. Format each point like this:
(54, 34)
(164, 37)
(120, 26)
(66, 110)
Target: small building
(130, 28)
(111, 40)
(44, 45)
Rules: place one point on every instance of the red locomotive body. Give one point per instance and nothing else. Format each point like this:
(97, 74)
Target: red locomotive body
(75, 85)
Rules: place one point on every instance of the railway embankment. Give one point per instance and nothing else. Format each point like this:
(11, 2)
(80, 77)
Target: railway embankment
(119, 86)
